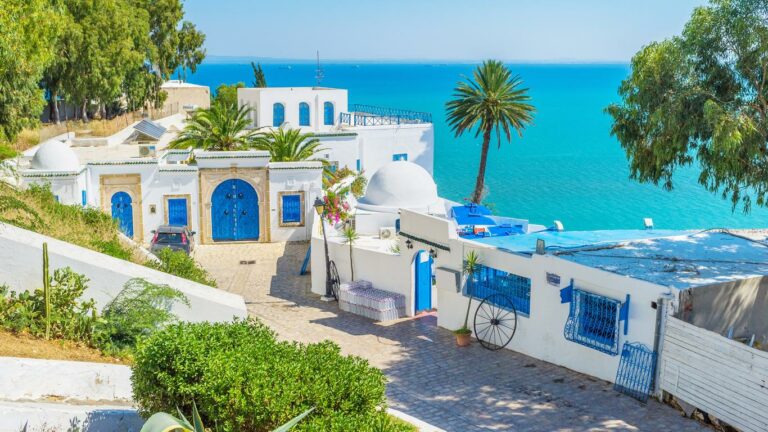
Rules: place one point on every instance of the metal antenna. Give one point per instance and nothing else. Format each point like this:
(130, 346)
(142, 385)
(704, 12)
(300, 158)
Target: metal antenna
(319, 75)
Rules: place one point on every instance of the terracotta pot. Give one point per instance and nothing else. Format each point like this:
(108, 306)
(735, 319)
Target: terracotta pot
(463, 340)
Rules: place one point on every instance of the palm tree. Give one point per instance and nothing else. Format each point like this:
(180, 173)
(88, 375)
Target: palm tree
(220, 127)
(493, 100)
(288, 145)
(350, 237)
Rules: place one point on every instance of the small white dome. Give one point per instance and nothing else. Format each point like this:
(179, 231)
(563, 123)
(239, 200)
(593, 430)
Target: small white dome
(54, 155)
(399, 185)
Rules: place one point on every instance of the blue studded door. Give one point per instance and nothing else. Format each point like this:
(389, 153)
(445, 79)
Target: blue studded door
(123, 212)
(234, 211)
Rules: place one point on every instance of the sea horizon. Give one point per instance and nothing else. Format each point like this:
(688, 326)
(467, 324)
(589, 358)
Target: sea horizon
(566, 167)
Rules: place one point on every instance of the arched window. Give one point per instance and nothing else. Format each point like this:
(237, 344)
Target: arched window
(303, 114)
(328, 114)
(278, 114)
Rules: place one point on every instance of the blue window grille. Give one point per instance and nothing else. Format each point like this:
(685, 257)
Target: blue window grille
(487, 281)
(278, 114)
(303, 114)
(84, 197)
(328, 114)
(637, 370)
(400, 157)
(593, 321)
(291, 209)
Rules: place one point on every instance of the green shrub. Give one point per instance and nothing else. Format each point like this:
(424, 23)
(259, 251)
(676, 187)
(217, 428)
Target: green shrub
(243, 379)
(113, 248)
(71, 318)
(182, 265)
(138, 310)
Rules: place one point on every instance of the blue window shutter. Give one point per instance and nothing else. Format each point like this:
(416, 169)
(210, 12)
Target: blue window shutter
(303, 114)
(278, 114)
(291, 209)
(400, 157)
(358, 164)
(328, 114)
(84, 196)
(177, 212)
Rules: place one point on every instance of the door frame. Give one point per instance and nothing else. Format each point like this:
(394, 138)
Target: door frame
(110, 184)
(210, 178)
(416, 264)
(187, 197)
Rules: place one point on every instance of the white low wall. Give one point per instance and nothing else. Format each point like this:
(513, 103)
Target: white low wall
(21, 269)
(25, 379)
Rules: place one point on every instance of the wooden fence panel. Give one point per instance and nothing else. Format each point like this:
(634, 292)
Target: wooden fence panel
(720, 376)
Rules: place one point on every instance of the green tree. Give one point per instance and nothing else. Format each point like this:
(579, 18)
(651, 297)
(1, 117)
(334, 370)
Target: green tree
(493, 101)
(190, 50)
(164, 17)
(702, 97)
(350, 236)
(259, 80)
(288, 145)
(27, 28)
(226, 94)
(220, 127)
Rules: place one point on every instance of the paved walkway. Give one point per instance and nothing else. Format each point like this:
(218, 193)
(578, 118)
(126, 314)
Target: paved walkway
(458, 389)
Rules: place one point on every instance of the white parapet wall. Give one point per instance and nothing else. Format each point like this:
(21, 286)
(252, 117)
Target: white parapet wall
(21, 269)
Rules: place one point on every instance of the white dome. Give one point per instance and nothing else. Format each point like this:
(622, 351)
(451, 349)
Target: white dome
(399, 185)
(54, 155)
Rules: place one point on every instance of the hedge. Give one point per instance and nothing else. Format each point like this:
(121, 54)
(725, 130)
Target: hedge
(243, 379)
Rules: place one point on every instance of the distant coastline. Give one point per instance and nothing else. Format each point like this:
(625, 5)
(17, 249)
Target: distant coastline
(223, 59)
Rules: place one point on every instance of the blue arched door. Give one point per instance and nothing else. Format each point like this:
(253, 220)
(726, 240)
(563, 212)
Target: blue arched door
(235, 211)
(423, 275)
(123, 212)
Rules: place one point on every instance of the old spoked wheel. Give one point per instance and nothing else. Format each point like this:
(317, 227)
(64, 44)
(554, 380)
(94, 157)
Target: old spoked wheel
(335, 280)
(495, 321)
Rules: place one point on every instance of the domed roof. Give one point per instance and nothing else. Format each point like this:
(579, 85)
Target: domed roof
(54, 155)
(399, 185)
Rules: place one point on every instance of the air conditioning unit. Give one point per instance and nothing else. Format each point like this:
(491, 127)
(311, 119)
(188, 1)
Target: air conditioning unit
(387, 233)
(147, 151)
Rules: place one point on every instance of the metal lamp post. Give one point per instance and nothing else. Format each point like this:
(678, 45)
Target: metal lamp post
(319, 208)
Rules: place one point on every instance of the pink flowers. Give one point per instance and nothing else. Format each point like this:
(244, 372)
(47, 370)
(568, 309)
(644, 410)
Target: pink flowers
(336, 207)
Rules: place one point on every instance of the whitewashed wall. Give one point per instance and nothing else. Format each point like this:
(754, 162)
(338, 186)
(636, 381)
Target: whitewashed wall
(261, 101)
(719, 376)
(293, 176)
(379, 143)
(21, 269)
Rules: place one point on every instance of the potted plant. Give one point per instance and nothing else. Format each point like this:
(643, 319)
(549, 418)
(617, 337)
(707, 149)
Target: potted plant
(470, 267)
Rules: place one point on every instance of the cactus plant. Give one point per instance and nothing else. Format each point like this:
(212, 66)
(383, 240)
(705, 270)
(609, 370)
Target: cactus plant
(46, 292)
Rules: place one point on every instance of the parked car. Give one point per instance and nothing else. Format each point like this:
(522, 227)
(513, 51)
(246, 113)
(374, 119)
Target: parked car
(173, 237)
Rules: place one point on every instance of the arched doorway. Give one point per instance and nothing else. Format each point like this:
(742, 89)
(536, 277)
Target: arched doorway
(122, 211)
(234, 211)
(422, 263)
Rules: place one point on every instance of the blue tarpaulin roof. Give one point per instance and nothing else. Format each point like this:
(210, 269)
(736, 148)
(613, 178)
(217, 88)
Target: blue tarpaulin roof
(472, 214)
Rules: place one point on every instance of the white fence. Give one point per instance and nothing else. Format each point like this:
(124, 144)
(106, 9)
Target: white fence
(719, 376)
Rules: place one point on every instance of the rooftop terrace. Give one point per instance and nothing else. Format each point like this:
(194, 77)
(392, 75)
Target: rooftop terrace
(368, 115)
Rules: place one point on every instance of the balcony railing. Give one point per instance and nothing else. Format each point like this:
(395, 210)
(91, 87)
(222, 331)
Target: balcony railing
(367, 115)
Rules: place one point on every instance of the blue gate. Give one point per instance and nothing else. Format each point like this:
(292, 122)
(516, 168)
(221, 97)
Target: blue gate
(423, 264)
(177, 211)
(235, 211)
(123, 212)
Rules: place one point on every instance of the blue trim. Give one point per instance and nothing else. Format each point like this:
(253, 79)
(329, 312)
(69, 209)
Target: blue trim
(400, 157)
(487, 281)
(84, 197)
(278, 114)
(303, 114)
(357, 165)
(328, 114)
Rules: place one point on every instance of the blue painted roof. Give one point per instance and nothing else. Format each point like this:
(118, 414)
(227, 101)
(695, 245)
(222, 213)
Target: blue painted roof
(150, 129)
(553, 240)
(472, 214)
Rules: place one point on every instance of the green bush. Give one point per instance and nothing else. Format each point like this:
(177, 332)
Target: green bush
(138, 310)
(243, 379)
(71, 318)
(182, 265)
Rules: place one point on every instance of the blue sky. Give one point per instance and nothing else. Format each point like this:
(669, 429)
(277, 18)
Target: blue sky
(451, 30)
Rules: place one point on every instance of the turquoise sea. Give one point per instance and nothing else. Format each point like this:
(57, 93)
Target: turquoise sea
(566, 166)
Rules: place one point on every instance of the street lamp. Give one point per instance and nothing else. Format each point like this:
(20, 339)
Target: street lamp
(319, 206)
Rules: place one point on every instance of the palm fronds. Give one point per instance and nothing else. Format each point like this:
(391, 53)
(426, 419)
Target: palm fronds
(220, 127)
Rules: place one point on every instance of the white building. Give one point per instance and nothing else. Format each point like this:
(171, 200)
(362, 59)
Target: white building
(359, 137)
(581, 298)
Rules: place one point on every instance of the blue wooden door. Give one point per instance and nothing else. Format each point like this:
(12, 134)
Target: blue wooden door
(123, 212)
(423, 264)
(235, 211)
(177, 211)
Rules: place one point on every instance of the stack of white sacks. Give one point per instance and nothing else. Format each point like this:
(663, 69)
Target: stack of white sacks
(361, 298)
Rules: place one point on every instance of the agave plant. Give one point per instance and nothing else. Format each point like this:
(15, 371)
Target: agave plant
(164, 422)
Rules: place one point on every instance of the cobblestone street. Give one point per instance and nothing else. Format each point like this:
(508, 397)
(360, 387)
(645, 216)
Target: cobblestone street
(457, 389)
